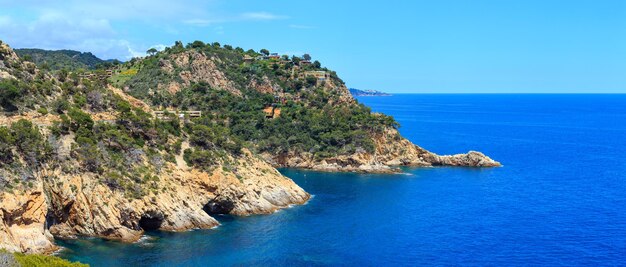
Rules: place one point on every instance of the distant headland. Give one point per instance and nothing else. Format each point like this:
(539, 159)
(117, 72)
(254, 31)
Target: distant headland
(357, 92)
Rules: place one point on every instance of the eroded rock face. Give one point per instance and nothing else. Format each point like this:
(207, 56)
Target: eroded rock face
(69, 206)
(264, 86)
(22, 226)
(12, 67)
(199, 68)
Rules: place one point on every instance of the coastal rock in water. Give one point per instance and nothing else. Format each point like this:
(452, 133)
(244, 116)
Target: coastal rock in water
(470, 159)
(394, 150)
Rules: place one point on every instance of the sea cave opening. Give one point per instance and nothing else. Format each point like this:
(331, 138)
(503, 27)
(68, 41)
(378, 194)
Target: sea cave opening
(219, 206)
(151, 221)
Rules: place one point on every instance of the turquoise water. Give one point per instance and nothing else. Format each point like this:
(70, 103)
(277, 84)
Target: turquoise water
(559, 199)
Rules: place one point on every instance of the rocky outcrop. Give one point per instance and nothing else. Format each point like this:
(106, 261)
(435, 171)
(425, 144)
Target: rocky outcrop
(12, 67)
(264, 86)
(72, 205)
(22, 226)
(199, 68)
(391, 150)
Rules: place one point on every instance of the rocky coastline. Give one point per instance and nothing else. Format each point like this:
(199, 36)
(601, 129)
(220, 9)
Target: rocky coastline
(78, 205)
(62, 198)
(392, 151)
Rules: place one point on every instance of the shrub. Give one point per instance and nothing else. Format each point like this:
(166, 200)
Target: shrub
(61, 106)
(28, 141)
(79, 119)
(6, 144)
(42, 111)
(311, 81)
(10, 92)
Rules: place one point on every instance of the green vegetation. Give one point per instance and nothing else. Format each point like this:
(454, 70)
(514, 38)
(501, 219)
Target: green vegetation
(319, 127)
(36, 260)
(10, 91)
(128, 151)
(23, 140)
(120, 78)
(151, 51)
(310, 120)
(61, 59)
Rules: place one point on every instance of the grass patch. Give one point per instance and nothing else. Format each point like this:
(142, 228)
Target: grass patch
(119, 79)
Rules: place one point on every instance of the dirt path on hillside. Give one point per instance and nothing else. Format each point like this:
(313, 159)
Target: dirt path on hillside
(49, 119)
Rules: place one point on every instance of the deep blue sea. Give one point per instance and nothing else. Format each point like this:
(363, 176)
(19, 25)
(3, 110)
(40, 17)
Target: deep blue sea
(560, 198)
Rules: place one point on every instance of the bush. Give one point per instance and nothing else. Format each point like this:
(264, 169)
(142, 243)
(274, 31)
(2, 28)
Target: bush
(197, 44)
(79, 119)
(61, 105)
(80, 101)
(311, 81)
(10, 92)
(42, 111)
(199, 158)
(6, 144)
(29, 142)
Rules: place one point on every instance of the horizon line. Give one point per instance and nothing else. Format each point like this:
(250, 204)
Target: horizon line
(507, 93)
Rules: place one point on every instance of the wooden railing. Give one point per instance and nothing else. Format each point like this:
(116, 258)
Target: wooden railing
(163, 115)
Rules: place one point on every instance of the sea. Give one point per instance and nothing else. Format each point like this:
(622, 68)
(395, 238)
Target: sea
(558, 200)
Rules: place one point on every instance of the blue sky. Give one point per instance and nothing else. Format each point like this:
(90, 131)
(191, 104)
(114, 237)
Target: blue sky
(438, 46)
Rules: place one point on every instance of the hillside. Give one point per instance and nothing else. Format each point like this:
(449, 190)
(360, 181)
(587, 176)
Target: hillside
(60, 59)
(169, 140)
(79, 159)
(320, 125)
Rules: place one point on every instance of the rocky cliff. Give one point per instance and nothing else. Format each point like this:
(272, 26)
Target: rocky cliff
(68, 205)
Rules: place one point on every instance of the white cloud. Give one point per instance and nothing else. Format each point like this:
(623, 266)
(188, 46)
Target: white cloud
(53, 30)
(89, 25)
(200, 22)
(95, 26)
(249, 16)
(261, 16)
(159, 47)
(132, 53)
